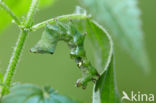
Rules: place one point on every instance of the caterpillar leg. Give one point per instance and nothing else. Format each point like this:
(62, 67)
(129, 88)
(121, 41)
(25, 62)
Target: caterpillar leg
(86, 79)
(89, 72)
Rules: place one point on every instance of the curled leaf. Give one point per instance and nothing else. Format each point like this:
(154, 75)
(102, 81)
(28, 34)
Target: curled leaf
(105, 90)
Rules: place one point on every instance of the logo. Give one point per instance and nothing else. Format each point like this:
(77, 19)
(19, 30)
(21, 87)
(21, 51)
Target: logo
(137, 97)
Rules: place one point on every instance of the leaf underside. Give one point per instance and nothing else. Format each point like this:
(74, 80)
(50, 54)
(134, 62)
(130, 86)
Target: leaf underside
(122, 19)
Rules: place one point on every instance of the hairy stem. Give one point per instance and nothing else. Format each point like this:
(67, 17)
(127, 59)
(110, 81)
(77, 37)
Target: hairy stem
(14, 59)
(18, 49)
(60, 18)
(5, 7)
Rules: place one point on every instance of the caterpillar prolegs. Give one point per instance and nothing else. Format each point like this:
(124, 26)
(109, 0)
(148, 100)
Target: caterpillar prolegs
(75, 40)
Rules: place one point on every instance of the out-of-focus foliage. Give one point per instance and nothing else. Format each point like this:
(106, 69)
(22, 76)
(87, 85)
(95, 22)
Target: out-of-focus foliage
(19, 7)
(28, 93)
(122, 19)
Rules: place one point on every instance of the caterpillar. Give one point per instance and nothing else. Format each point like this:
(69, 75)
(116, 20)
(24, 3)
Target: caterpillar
(75, 40)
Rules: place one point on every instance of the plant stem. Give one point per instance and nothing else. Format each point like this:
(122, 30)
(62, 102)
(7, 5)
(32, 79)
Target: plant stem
(60, 18)
(19, 47)
(5, 7)
(14, 59)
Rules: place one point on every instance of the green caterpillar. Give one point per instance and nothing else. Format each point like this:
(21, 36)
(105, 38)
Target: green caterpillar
(75, 40)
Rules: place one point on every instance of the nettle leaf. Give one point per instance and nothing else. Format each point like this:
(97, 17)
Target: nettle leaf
(28, 93)
(19, 7)
(122, 20)
(100, 44)
(105, 90)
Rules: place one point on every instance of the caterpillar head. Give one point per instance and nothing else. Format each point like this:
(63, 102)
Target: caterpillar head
(48, 41)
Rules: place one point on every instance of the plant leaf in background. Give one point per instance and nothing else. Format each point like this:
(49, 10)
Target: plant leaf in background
(122, 20)
(105, 90)
(27, 93)
(19, 7)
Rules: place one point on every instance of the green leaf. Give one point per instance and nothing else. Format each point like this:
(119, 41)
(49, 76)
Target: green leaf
(100, 44)
(19, 7)
(122, 19)
(28, 93)
(105, 90)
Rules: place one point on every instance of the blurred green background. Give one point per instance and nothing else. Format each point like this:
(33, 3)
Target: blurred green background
(60, 72)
